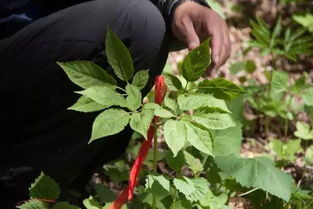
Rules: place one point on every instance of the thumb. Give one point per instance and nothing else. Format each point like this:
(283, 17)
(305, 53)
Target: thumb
(191, 37)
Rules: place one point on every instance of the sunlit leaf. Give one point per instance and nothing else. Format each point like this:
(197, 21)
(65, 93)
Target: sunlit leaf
(175, 135)
(86, 73)
(196, 62)
(118, 56)
(220, 88)
(257, 172)
(109, 122)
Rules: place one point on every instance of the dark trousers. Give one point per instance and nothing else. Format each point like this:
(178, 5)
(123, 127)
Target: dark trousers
(37, 132)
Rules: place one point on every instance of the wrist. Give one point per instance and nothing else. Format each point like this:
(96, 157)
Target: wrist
(177, 3)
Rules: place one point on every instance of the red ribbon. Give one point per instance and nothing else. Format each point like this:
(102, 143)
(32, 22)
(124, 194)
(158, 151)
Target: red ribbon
(128, 193)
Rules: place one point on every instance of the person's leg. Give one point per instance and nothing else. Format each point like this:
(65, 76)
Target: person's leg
(37, 131)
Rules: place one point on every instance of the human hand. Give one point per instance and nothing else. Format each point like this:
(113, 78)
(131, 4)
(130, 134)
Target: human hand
(193, 23)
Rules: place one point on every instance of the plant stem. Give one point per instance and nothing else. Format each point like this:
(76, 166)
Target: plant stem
(174, 201)
(267, 121)
(248, 192)
(286, 122)
(267, 118)
(155, 162)
(121, 89)
(186, 86)
(269, 86)
(286, 128)
(153, 201)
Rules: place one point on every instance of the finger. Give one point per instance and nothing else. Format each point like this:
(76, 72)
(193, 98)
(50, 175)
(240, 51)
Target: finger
(217, 49)
(227, 43)
(226, 48)
(217, 46)
(190, 37)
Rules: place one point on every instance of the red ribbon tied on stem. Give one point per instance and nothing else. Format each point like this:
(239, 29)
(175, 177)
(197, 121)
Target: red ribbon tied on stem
(128, 192)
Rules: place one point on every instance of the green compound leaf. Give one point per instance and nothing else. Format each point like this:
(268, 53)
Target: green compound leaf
(175, 163)
(201, 186)
(33, 204)
(308, 158)
(192, 102)
(213, 121)
(104, 193)
(212, 201)
(104, 95)
(85, 104)
(109, 122)
(279, 82)
(299, 84)
(308, 97)
(163, 113)
(181, 204)
(184, 185)
(173, 81)
(194, 189)
(158, 185)
(306, 20)
(220, 88)
(91, 203)
(140, 122)
(175, 135)
(194, 163)
(172, 104)
(133, 99)
(199, 138)
(286, 150)
(141, 78)
(151, 106)
(228, 140)
(196, 62)
(86, 74)
(277, 146)
(44, 187)
(117, 171)
(304, 131)
(208, 109)
(118, 56)
(257, 172)
(64, 205)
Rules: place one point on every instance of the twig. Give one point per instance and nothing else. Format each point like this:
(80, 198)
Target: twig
(248, 192)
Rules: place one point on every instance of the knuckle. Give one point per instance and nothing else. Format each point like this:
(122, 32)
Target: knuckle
(228, 53)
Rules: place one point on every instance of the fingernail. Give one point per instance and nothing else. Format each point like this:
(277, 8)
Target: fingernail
(192, 45)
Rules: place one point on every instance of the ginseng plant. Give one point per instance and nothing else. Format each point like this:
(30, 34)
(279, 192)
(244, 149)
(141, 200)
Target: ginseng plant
(199, 130)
